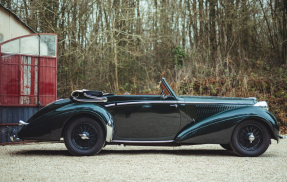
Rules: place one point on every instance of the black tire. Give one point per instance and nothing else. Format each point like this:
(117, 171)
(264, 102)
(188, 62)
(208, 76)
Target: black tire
(241, 139)
(226, 146)
(88, 144)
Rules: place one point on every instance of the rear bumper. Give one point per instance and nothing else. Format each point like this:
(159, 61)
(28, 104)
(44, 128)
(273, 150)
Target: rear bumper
(14, 136)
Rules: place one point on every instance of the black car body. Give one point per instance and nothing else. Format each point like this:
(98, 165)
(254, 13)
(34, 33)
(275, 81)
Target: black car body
(89, 120)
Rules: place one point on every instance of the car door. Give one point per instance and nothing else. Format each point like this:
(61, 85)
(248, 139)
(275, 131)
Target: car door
(146, 118)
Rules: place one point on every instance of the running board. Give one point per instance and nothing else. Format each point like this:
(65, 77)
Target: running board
(163, 143)
(132, 141)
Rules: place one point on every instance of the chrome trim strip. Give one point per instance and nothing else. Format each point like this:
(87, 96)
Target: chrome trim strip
(180, 102)
(148, 102)
(130, 141)
(110, 129)
(99, 99)
(110, 105)
(231, 103)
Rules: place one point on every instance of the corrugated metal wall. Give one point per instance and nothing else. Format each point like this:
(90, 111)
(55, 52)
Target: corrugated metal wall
(9, 118)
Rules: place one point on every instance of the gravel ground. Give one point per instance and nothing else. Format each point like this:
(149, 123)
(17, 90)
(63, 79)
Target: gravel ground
(52, 162)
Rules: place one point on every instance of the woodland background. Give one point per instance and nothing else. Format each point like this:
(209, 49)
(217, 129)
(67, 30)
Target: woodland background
(234, 48)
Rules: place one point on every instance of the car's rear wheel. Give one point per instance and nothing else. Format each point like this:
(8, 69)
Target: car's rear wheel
(84, 136)
(250, 138)
(226, 146)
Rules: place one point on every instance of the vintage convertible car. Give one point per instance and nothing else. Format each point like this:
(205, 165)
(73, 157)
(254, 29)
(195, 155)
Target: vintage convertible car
(89, 120)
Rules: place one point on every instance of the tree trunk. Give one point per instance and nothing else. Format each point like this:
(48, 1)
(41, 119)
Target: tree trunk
(212, 34)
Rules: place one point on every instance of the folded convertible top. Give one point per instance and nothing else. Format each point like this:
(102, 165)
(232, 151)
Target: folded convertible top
(88, 96)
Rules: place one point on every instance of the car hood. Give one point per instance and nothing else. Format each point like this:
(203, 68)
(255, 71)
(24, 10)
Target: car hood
(219, 100)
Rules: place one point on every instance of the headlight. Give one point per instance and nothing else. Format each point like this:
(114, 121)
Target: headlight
(262, 104)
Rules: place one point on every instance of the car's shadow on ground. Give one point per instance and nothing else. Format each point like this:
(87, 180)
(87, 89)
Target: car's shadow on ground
(199, 152)
(43, 153)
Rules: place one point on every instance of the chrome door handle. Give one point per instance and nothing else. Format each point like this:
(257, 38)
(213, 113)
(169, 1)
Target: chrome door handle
(173, 105)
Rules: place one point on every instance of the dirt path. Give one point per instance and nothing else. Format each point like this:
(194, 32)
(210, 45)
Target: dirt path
(52, 162)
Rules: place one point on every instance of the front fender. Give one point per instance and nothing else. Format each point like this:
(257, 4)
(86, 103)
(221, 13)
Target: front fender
(50, 124)
(217, 129)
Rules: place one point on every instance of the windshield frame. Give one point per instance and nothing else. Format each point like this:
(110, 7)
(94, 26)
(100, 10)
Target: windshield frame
(166, 88)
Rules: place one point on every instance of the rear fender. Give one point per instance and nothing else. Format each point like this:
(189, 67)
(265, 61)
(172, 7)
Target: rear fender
(89, 110)
(217, 129)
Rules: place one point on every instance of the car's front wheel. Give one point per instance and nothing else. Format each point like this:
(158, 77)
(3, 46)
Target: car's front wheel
(84, 136)
(250, 138)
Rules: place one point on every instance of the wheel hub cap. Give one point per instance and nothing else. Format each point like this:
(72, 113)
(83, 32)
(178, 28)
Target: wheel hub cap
(251, 137)
(84, 136)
